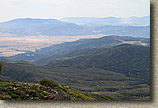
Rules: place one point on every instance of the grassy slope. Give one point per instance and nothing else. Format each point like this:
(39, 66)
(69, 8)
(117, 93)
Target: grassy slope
(45, 90)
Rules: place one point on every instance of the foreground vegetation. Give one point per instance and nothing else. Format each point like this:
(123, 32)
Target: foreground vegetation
(44, 90)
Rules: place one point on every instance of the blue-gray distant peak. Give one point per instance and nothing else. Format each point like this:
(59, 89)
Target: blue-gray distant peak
(32, 20)
(29, 26)
(78, 26)
(115, 21)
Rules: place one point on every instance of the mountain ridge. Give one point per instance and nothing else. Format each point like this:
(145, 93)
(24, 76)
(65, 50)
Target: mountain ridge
(67, 47)
(29, 26)
(128, 59)
(100, 21)
(54, 27)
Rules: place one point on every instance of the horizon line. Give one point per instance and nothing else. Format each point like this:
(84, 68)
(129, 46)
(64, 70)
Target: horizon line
(71, 17)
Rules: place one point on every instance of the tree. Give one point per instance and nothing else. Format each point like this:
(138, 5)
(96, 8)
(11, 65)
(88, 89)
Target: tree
(1, 66)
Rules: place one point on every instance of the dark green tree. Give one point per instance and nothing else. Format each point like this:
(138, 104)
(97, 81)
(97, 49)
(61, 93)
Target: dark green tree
(1, 66)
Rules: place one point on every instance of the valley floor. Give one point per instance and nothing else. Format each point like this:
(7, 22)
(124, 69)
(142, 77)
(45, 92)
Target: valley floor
(22, 44)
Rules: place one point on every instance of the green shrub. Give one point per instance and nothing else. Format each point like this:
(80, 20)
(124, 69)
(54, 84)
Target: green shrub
(48, 83)
(6, 98)
(14, 96)
(21, 88)
(40, 95)
(22, 96)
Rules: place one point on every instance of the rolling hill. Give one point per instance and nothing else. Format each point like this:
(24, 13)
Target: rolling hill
(90, 80)
(121, 71)
(67, 47)
(131, 60)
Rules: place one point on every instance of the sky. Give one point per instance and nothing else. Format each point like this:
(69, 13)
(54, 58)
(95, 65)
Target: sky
(56, 9)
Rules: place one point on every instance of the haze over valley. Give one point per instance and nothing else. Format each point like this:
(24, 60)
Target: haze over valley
(27, 34)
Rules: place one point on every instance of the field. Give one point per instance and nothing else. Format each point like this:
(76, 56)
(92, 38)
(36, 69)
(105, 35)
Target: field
(19, 45)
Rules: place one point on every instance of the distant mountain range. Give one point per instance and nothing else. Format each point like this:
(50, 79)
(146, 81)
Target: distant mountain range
(135, 31)
(53, 27)
(114, 21)
(30, 26)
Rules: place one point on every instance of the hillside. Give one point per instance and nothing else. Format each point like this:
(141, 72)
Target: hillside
(67, 47)
(133, 61)
(91, 80)
(112, 65)
(44, 90)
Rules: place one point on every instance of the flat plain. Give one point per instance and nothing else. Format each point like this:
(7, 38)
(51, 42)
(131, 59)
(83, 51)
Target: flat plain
(22, 44)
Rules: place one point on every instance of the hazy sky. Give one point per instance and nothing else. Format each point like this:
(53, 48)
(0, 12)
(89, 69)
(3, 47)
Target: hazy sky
(11, 9)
